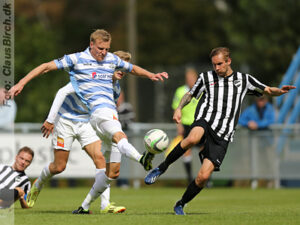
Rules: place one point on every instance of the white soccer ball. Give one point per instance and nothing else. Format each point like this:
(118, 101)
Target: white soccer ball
(156, 141)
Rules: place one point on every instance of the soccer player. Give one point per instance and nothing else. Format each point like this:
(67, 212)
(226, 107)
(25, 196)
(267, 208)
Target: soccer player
(73, 123)
(14, 184)
(91, 74)
(215, 123)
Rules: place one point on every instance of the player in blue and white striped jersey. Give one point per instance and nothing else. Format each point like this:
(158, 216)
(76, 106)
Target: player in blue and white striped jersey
(91, 76)
(72, 123)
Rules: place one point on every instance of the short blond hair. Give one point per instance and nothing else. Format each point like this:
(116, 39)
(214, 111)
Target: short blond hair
(26, 149)
(224, 50)
(126, 56)
(100, 34)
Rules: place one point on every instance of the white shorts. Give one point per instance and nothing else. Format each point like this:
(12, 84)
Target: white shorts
(111, 152)
(66, 131)
(105, 122)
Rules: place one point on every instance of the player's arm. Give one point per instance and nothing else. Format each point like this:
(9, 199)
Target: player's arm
(183, 102)
(41, 69)
(274, 91)
(136, 70)
(21, 198)
(60, 97)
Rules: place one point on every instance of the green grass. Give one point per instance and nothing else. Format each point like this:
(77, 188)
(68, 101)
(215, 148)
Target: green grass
(154, 205)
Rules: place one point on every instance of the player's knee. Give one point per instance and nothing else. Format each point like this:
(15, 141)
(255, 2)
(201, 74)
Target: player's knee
(192, 140)
(202, 178)
(118, 136)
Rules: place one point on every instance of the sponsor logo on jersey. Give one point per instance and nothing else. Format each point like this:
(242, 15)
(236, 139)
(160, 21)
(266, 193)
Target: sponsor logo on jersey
(102, 76)
(114, 117)
(18, 179)
(60, 142)
(237, 83)
(212, 83)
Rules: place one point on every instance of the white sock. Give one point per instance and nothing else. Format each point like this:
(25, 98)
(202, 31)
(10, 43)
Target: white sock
(105, 196)
(43, 178)
(128, 150)
(99, 186)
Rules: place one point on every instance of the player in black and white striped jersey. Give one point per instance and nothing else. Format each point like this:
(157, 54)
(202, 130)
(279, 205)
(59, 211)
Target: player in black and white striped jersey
(215, 120)
(14, 183)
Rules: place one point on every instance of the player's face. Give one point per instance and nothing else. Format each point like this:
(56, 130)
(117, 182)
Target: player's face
(23, 160)
(99, 49)
(221, 66)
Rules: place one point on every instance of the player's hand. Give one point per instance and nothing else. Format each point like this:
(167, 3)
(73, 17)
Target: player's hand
(47, 129)
(159, 76)
(15, 90)
(286, 88)
(20, 192)
(177, 115)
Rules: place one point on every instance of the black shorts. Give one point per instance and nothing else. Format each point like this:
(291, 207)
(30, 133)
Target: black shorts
(214, 147)
(9, 194)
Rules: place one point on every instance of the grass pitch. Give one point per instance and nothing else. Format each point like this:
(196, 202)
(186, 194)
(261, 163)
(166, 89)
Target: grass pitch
(154, 205)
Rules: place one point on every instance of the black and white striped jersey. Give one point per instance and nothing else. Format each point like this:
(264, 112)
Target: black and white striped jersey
(10, 178)
(223, 98)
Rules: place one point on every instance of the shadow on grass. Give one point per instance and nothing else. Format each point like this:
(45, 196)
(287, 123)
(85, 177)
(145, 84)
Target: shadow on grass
(99, 214)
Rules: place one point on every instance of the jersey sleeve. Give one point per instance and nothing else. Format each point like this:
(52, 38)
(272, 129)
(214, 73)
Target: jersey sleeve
(67, 62)
(254, 86)
(123, 65)
(198, 87)
(58, 101)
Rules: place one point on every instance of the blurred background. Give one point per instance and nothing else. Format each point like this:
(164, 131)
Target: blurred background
(168, 35)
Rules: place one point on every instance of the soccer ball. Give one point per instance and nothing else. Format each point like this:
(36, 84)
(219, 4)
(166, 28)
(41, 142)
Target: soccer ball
(156, 141)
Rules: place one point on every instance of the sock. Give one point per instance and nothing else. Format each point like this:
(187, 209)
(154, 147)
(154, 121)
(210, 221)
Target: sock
(191, 191)
(44, 177)
(105, 196)
(99, 186)
(172, 157)
(128, 150)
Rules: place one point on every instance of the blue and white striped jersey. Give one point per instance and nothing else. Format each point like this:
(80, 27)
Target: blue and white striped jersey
(92, 80)
(74, 109)
(69, 106)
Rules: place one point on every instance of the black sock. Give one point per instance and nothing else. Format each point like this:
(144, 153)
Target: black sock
(188, 169)
(172, 157)
(191, 191)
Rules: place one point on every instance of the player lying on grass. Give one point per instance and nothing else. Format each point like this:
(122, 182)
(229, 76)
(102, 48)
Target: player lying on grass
(70, 117)
(14, 183)
(214, 125)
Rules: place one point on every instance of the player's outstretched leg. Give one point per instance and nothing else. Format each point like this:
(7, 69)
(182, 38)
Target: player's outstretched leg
(146, 160)
(32, 195)
(153, 176)
(38, 185)
(129, 151)
(172, 157)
